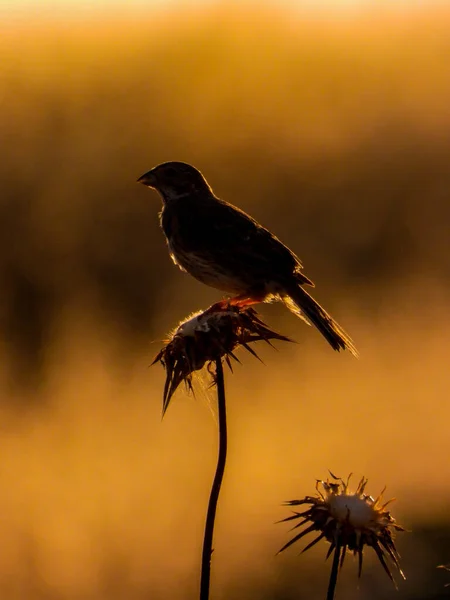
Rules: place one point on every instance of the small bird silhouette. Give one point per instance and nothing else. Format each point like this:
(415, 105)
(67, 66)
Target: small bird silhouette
(223, 247)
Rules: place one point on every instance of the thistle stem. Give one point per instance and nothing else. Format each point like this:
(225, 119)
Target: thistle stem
(334, 572)
(215, 489)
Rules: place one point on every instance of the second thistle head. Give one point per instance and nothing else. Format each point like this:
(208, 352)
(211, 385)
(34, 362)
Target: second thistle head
(348, 521)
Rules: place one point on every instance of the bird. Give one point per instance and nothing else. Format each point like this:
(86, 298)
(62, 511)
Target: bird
(225, 248)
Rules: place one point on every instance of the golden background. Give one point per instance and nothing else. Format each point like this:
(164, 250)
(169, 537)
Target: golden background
(331, 129)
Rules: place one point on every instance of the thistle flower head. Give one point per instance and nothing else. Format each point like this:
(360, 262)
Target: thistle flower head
(207, 336)
(446, 568)
(348, 521)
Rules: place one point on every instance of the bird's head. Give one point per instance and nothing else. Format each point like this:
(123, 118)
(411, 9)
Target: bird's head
(174, 180)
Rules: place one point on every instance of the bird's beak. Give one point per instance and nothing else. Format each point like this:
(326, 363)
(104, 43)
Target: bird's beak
(147, 179)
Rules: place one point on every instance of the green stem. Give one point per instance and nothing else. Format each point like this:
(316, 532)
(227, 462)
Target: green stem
(215, 489)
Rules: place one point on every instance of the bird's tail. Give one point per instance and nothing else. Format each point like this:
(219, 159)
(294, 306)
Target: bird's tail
(303, 305)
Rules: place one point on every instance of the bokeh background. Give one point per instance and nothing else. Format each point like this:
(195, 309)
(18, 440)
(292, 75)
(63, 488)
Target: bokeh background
(330, 123)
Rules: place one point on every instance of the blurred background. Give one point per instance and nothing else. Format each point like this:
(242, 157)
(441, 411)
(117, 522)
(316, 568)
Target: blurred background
(329, 121)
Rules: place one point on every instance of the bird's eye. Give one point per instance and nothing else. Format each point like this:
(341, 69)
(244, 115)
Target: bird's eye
(171, 172)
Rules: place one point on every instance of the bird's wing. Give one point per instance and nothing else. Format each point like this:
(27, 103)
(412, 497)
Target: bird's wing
(224, 234)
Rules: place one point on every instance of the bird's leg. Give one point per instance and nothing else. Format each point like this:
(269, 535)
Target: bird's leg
(244, 300)
(240, 301)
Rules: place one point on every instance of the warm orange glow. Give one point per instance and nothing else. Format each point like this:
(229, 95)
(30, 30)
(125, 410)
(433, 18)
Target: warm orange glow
(333, 133)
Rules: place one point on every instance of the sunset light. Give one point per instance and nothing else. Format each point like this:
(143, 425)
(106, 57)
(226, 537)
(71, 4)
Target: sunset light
(328, 122)
(326, 8)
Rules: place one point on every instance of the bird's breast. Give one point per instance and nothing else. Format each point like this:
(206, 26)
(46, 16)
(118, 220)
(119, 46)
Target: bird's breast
(205, 270)
(195, 251)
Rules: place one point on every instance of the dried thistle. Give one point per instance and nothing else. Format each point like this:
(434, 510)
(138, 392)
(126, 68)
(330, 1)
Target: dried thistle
(348, 521)
(207, 336)
(446, 568)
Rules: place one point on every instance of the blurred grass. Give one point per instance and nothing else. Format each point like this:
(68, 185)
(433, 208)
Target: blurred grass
(335, 135)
